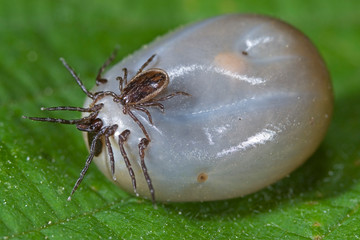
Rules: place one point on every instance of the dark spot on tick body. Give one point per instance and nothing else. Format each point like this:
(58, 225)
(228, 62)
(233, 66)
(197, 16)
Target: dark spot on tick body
(245, 53)
(98, 145)
(202, 177)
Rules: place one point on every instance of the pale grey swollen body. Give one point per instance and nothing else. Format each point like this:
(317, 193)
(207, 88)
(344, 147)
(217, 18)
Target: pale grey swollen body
(261, 102)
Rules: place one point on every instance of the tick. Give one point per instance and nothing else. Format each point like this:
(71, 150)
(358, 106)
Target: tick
(261, 102)
(137, 94)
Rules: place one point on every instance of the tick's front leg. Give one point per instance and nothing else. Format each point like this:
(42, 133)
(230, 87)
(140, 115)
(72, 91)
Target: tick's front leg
(99, 78)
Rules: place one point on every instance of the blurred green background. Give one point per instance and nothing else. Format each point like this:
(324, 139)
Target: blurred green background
(40, 162)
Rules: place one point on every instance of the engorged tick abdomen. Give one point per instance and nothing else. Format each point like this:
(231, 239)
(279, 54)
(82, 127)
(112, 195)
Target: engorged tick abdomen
(261, 101)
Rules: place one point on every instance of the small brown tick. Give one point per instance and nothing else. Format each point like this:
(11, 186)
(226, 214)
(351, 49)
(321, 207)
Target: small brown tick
(137, 94)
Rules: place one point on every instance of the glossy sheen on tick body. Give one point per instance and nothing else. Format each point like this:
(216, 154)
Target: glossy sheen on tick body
(260, 104)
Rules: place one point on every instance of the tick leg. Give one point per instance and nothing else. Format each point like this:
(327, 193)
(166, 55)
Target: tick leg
(77, 79)
(145, 111)
(99, 79)
(170, 96)
(54, 120)
(110, 132)
(125, 75)
(142, 146)
(78, 109)
(127, 110)
(101, 94)
(64, 121)
(145, 64)
(121, 81)
(88, 160)
(122, 139)
(153, 104)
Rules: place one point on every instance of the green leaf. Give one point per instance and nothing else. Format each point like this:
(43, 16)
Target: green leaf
(40, 162)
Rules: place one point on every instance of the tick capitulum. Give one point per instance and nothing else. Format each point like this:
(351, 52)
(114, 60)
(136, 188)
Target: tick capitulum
(137, 94)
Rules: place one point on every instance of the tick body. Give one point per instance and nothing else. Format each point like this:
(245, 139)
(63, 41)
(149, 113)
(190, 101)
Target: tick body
(257, 101)
(261, 101)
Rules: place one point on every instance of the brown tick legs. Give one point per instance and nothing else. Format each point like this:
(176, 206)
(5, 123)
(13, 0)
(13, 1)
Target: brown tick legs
(145, 111)
(122, 80)
(122, 139)
(128, 111)
(153, 104)
(125, 75)
(77, 79)
(67, 108)
(170, 96)
(145, 64)
(142, 146)
(110, 132)
(99, 78)
(64, 121)
(88, 160)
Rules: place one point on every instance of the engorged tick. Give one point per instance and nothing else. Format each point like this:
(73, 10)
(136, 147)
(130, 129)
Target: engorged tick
(137, 94)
